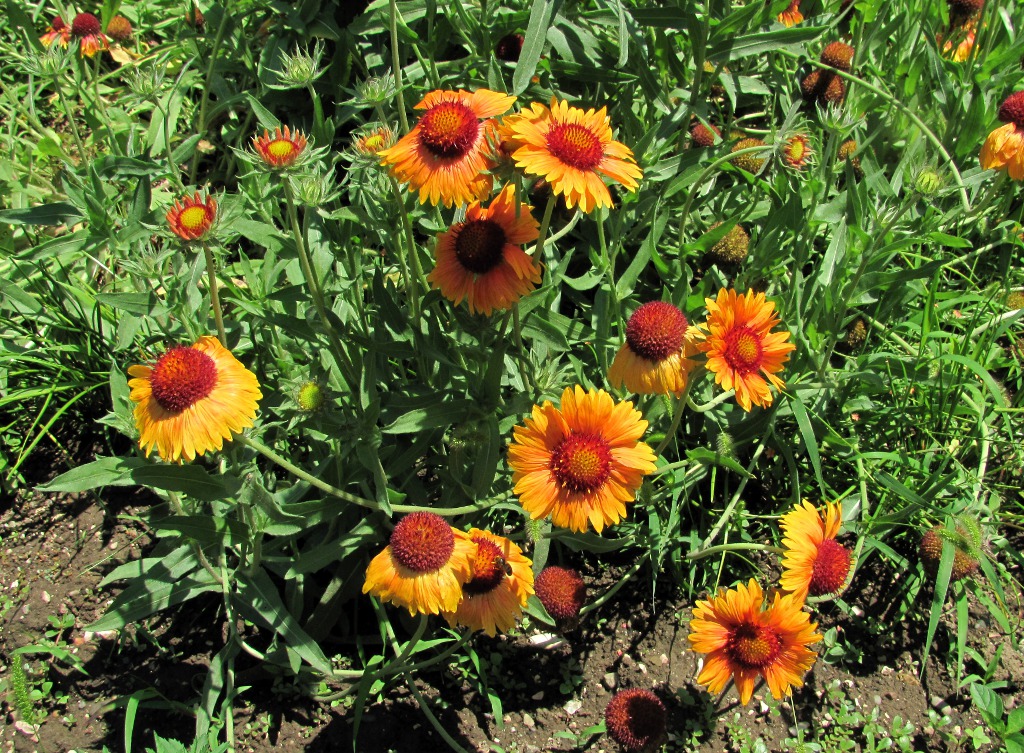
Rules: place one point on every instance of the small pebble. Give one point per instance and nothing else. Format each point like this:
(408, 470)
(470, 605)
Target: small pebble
(609, 680)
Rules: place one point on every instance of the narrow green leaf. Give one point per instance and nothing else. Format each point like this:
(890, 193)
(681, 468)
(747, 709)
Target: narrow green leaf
(60, 213)
(153, 598)
(938, 599)
(533, 44)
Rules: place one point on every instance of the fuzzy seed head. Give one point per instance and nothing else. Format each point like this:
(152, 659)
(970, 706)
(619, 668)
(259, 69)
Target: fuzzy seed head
(1012, 109)
(562, 592)
(838, 55)
(635, 719)
(751, 162)
(930, 550)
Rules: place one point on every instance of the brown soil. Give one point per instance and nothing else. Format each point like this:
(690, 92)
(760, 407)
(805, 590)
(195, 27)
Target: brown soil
(56, 550)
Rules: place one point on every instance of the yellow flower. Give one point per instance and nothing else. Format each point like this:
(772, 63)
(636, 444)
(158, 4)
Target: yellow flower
(580, 464)
(423, 566)
(445, 156)
(1004, 147)
(502, 581)
(481, 260)
(740, 345)
(656, 357)
(192, 217)
(813, 562)
(192, 399)
(744, 640)
(572, 150)
(280, 150)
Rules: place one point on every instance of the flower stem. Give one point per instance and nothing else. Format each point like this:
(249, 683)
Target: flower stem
(416, 281)
(545, 223)
(70, 115)
(709, 405)
(517, 332)
(204, 100)
(727, 512)
(740, 546)
(396, 66)
(676, 420)
(211, 274)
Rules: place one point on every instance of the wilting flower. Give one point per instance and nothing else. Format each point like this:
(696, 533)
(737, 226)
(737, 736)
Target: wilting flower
(562, 592)
(1004, 147)
(582, 463)
(501, 582)
(87, 30)
(791, 16)
(963, 37)
(191, 218)
(847, 153)
(838, 55)
(280, 150)
(965, 561)
(656, 357)
(509, 47)
(635, 719)
(744, 640)
(444, 156)
(120, 29)
(481, 260)
(704, 136)
(424, 565)
(825, 87)
(731, 248)
(740, 345)
(192, 399)
(59, 32)
(573, 150)
(752, 162)
(797, 151)
(813, 562)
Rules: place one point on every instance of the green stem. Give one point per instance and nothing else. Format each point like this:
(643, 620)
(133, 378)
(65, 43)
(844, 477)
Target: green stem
(737, 547)
(545, 223)
(621, 582)
(197, 550)
(517, 333)
(417, 281)
(676, 420)
(204, 100)
(70, 115)
(723, 519)
(211, 274)
(396, 66)
(708, 406)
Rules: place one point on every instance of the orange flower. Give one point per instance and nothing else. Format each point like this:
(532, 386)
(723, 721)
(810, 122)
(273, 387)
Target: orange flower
(792, 15)
(373, 141)
(963, 37)
(1004, 147)
(280, 150)
(813, 562)
(87, 30)
(59, 32)
(481, 260)
(191, 218)
(796, 151)
(745, 640)
(423, 566)
(502, 581)
(444, 156)
(740, 346)
(580, 464)
(192, 399)
(572, 150)
(655, 359)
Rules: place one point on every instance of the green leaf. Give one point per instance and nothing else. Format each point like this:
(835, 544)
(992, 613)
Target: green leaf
(443, 414)
(265, 117)
(206, 529)
(803, 421)
(705, 456)
(533, 44)
(1015, 722)
(151, 596)
(938, 598)
(189, 479)
(140, 304)
(60, 213)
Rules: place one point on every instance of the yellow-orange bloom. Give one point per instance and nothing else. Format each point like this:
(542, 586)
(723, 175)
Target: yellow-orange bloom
(791, 16)
(87, 30)
(281, 149)
(582, 463)
(481, 260)
(423, 566)
(445, 156)
(192, 217)
(192, 399)
(573, 150)
(813, 562)
(656, 356)
(1004, 147)
(740, 345)
(496, 593)
(58, 33)
(745, 640)
(963, 37)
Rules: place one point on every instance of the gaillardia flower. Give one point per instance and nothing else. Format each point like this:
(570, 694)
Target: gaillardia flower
(87, 30)
(572, 149)
(963, 37)
(481, 260)
(445, 156)
(731, 248)
(752, 162)
(797, 151)
(281, 149)
(635, 719)
(745, 640)
(740, 345)
(1004, 147)
(563, 593)
(838, 55)
(59, 32)
(192, 217)
(655, 359)
(373, 141)
(965, 562)
(501, 582)
(703, 136)
(120, 29)
(813, 562)
(582, 463)
(192, 399)
(423, 566)
(791, 16)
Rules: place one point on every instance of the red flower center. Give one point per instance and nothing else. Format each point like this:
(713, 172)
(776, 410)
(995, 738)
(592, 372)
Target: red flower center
(561, 591)
(489, 568)
(449, 129)
(575, 145)
(182, 377)
(479, 245)
(58, 24)
(743, 349)
(580, 462)
(831, 566)
(422, 542)
(1012, 110)
(754, 646)
(635, 718)
(656, 330)
(85, 25)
